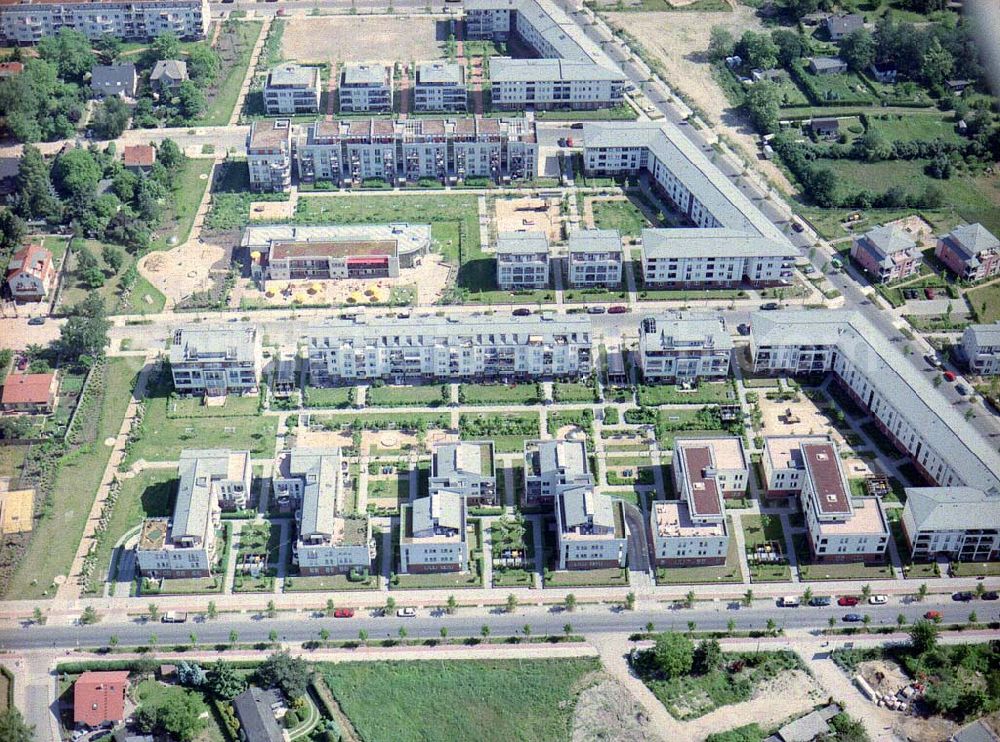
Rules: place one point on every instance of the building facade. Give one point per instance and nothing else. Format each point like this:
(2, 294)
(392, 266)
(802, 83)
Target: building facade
(971, 252)
(981, 345)
(595, 258)
(269, 155)
(887, 254)
(551, 466)
(960, 523)
(466, 468)
(433, 535)
(590, 529)
(215, 362)
(440, 86)
(291, 89)
(522, 260)
(680, 349)
(713, 257)
(365, 88)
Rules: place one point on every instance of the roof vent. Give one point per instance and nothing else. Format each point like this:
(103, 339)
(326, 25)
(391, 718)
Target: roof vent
(821, 456)
(831, 498)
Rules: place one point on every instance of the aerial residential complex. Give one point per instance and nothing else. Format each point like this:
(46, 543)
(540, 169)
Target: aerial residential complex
(956, 522)
(522, 260)
(595, 258)
(436, 348)
(365, 88)
(970, 251)
(552, 466)
(590, 529)
(440, 86)
(349, 152)
(572, 72)
(129, 20)
(283, 252)
(433, 535)
(887, 254)
(215, 361)
(292, 89)
(467, 469)
(683, 348)
(269, 155)
(981, 345)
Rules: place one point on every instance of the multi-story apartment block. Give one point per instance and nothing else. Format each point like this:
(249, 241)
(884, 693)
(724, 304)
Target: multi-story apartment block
(906, 407)
(215, 361)
(887, 254)
(291, 89)
(590, 529)
(840, 528)
(437, 348)
(552, 466)
(970, 251)
(722, 459)
(433, 535)
(284, 252)
(981, 345)
(348, 152)
(311, 480)
(184, 545)
(782, 463)
(571, 70)
(467, 469)
(961, 523)
(365, 88)
(128, 20)
(440, 86)
(680, 348)
(713, 258)
(595, 258)
(522, 260)
(269, 155)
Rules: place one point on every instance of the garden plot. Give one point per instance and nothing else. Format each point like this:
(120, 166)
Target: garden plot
(529, 215)
(387, 39)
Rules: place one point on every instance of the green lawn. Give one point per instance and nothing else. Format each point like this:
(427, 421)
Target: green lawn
(153, 692)
(842, 88)
(507, 431)
(985, 301)
(402, 396)
(624, 216)
(222, 96)
(195, 407)
(74, 486)
(587, 577)
(760, 529)
(439, 580)
(11, 459)
(689, 423)
(818, 572)
(499, 394)
(914, 127)
(728, 572)
(458, 700)
(569, 392)
(619, 113)
(395, 490)
(388, 420)
(262, 540)
(337, 396)
(74, 290)
(190, 183)
(719, 392)
(975, 569)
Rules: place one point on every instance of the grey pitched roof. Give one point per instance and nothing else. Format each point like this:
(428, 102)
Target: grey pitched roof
(505, 69)
(522, 242)
(716, 242)
(827, 63)
(669, 329)
(845, 23)
(582, 505)
(117, 77)
(895, 377)
(804, 729)
(571, 456)
(442, 510)
(462, 458)
(952, 508)
(253, 709)
(175, 69)
(595, 240)
(977, 731)
(971, 240)
(984, 335)
(319, 468)
(888, 240)
(196, 469)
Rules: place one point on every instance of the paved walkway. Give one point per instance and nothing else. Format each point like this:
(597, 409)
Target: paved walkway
(251, 71)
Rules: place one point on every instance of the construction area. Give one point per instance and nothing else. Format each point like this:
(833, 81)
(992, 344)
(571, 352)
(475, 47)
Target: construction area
(529, 215)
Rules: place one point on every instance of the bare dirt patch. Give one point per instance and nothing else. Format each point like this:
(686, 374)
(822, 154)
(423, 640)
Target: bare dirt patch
(917, 227)
(679, 41)
(805, 419)
(884, 676)
(529, 215)
(386, 39)
(269, 211)
(323, 438)
(185, 269)
(608, 712)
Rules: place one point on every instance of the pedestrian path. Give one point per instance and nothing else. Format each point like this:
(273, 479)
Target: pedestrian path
(258, 47)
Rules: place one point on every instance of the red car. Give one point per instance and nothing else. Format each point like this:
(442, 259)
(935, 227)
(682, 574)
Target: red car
(949, 375)
(617, 309)
(344, 613)
(933, 615)
(847, 600)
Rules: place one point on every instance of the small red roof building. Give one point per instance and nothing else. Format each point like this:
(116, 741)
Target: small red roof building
(10, 69)
(28, 393)
(99, 697)
(140, 156)
(30, 273)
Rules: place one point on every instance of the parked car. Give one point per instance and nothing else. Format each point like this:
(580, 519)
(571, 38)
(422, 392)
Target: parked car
(173, 617)
(790, 601)
(569, 141)
(962, 389)
(962, 597)
(837, 263)
(344, 613)
(406, 612)
(933, 615)
(797, 225)
(617, 309)
(853, 618)
(929, 292)
(562, 141)
(36, 321)
(949, 376)
(819, 601)
(847, 600)
(878, 599)
(521, 312)
(769, 306)
(932, 360)
(743, 328)
(577, 125)
(596, 310)
(990, 595)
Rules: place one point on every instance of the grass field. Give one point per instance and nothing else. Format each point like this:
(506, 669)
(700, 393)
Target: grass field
(499, 394)
(74, 290)
(337, 396)
(222, 100)
(508, 431)
(56, 536)
(460, 699)
(11, 459)
(568, 392)
(914, 127)
(624, 216)
(759, 529)
(985, 301)
(402, 396)
(190, 183)
(704, 393)
(587, 577)
(155, 693)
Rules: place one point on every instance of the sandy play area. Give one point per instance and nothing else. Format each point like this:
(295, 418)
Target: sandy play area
(805, 419)
(917, 227)
(529, 215)
(182, 270)
(387, 39)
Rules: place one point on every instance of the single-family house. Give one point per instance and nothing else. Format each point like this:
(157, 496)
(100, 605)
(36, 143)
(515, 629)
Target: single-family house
(971, 252)
(827, 127)
(10, 69)
(255, 710)
(827, 66)
(883, 71)
(887, 254)
(167, 74)
(958, 86)
(114, 79)
(30, 273)
(840, 25)
(99, 697)
(139, 158)
(31, 393)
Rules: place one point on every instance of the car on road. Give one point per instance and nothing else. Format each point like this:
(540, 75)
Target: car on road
(847, 600)
(990, 595)
(790, 601)
(878, 599)
(406, 613)
(173, 617)
(836, 263)
(933, 615)
(36, 321)
(344, 613)
(769, 306)
(932, 360)
(853, 617)
(522, 312)
(596, 310)
(962, 389)
(577, 125)
(797, 225)
(820, 601)
(562, 141)
(949, 376)
(962, 597)
(617, 309)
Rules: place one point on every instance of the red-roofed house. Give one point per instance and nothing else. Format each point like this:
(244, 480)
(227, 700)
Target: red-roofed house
(139, 157)
(30, 273)
(99, 697)
(10, 69)
(34, 393)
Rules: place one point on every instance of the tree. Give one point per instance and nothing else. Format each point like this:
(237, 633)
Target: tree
(444, 632)
(921, 592)
(272, 611)
(290, 674)
(362, 636)
(111, 118)
(13, 727)
(858, 49)
(731, 625)
(165, 46)
(757, 50)
(807, 595)
(190, 100)
(451, 605)
(936, 65)
(203, 64)
(212, 611)
(748, 598)
(692, 625)
(89, 616)
(178, 714)
(630, 601)
(224, 681)
(762, 103)
(866, 620)
(831, 621)
(526, 629)
(799, 8)
(34, 198)
(569, 602)
(169, 154)
(324, 634)
(75, 174)
(233, 636)
(923, 636)
(940, 167)
(108, 48)
(771, 626)
(70, 51)
(402, 632)
(37, 617)
(191, 675)
(674, 654)
(12, 230)
(866, 591)
(900, 620)
(689, 599)
(873, 146)
(390, 605)
(567, 629)
(822, 186)
(484, 630)
(791, 46)
(193, 638)
(720, 44)
(707, 656)
(113, 640)
(511, 603)
(113, 258)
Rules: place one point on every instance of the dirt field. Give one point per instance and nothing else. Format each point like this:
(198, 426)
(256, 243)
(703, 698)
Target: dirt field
(917, 227)
(529, 215)
(811, 420)
(322, 438)
(386, 39)
(679, 40)
(182, 270)
(269, 211)
(607, 711)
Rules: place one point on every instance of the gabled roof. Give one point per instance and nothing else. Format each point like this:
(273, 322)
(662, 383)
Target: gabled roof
(667, 331)
(253, 708)
(845, 23)
(971, 240)
(319, 469)
(595, 240)
(522, 242)
(99, 697)
(827, 63)
(174, 69)
(139, 155)
(582, 505)
(983, 335)
(443, 509)
(118, 77)
(32, 259)
(713, 242)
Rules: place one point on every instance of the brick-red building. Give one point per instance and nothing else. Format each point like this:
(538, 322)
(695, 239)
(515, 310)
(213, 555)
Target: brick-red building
(99, 697)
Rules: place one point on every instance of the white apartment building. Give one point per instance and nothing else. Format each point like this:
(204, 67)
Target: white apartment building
(713, 257)
(269, 155)
(552, 466)
(328, 542)
(437, 348)
(679, 348)
(440, 86)
(433, 535)
(782, 463)
(349, 152)
(520, 84)
(128, 20)
(365, 88)
(215, 361)
(722, 459)
(466, 468)
(907, 408)
(981, 345)
(522, 260)
(840, 528)
(590, 529)
(291, 89)
(185, 544)
(595, 258)
(961, 523)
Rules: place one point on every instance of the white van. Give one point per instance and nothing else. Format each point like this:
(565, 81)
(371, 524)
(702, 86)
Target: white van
(790, 601)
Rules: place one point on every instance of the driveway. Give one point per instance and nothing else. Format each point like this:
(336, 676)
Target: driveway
(638, 551)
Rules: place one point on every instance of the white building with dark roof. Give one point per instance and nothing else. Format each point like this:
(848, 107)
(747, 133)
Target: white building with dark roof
(440, 86)
(292, 89)
(466, 468)
(590, 529)
(595, 258)
(433, 535)
(961, 523)
(215, 360)
(683, 348)
(970, 251)
(522, 260)
(365, 88)
(128, 20)
(981, 345)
